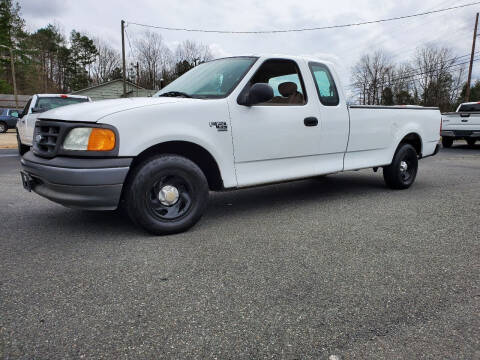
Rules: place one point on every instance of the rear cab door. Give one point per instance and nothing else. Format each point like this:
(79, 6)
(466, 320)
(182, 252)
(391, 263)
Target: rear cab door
(333, 116)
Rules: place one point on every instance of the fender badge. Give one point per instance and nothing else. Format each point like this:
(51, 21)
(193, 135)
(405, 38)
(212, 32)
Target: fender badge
(220, 125)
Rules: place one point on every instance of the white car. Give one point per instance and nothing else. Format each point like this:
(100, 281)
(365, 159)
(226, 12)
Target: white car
(462, 124)
(226, 124)
(36, 105)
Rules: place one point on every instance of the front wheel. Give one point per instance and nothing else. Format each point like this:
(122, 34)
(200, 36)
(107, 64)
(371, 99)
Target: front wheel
(401, 173)
(471, 141)
(166, 194)
(447, 141)
(3, 127)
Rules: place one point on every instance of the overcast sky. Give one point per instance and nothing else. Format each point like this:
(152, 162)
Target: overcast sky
(101, 18)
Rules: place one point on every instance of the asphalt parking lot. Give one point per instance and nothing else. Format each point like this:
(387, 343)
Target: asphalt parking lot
(334, 266)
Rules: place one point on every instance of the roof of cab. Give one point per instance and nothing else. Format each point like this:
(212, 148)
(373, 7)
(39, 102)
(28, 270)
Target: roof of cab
(62, 95)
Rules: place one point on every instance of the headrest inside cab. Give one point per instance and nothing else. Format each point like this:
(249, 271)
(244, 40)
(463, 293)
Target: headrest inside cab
(287, 88)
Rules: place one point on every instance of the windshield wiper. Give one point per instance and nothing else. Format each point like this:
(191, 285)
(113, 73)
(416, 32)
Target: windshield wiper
(175, 94)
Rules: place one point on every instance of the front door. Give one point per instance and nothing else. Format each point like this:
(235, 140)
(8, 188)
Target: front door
(279, 139)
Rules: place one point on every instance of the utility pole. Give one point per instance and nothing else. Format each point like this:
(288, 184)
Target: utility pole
(14, 80)
(122, 25)
(138, 75)
(12, 65)
(467, 94)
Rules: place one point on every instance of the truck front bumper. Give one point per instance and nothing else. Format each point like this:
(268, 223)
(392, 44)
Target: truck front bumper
(90, 184)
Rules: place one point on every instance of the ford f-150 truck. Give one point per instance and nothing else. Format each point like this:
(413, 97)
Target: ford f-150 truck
(462, 124)
(226, 124)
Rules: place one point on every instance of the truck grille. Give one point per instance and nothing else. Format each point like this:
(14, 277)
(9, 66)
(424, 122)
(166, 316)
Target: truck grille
(48, 137)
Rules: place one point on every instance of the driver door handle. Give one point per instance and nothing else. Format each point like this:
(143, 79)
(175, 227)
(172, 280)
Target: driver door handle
(310, 121)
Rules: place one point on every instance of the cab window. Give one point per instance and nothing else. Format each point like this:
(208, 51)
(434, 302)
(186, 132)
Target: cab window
(285, 79)
(326, 88)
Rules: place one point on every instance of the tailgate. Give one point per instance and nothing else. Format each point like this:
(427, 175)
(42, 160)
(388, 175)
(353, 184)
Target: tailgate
(466, 121)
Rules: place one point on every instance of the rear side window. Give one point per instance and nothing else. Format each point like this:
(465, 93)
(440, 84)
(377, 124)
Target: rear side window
(49, 103)
(326, 88)
(469, 108)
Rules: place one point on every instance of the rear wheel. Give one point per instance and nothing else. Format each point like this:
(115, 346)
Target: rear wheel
(471, 141)
(3, 127)
(166, 194)
(401, 173)
(22, 149)
(447, 142)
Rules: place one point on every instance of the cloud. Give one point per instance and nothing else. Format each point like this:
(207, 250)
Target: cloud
(44, 8)
(343, 46)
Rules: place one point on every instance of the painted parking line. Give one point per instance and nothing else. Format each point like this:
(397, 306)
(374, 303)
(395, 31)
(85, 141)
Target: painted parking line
(9, 155)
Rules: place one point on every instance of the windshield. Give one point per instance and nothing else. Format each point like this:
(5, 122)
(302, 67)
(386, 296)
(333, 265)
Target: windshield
(469, 108)
(49, 103)
(214, 79)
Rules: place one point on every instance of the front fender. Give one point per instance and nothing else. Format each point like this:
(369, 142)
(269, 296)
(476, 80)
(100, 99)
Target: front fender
(143, 128)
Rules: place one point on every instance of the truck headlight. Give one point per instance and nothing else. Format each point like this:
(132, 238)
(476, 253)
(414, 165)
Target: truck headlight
(90, 139)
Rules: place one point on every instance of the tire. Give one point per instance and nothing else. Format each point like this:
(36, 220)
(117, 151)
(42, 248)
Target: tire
(3, 127)
(447, 142)
(401, 173)
(22, 149)
(471, 141)
(166, 194)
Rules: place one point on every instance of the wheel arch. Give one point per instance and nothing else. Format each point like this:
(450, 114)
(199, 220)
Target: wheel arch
(414, 139)
(194, 152)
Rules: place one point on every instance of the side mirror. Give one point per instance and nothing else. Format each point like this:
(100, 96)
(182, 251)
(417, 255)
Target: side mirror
(257, 94)
(37, 110)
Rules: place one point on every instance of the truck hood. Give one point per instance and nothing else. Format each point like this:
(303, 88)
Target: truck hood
(95, 111)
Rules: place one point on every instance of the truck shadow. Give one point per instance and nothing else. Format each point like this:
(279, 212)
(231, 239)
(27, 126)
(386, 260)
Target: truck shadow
(330, 188)
(224, 205)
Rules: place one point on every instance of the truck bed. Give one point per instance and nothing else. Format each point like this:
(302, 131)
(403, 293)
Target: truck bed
(375, 131)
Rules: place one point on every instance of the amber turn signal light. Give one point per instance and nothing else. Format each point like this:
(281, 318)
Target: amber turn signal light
(101, 140)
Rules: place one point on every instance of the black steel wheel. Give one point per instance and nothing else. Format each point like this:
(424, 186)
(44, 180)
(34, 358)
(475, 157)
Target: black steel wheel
(471, 141)
(447, 141)
(169, 198)
(166, 194)
(401, 173)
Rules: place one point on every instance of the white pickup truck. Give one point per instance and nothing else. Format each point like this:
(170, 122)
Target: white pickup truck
(462, 124)
(226, 124)
(35, 106)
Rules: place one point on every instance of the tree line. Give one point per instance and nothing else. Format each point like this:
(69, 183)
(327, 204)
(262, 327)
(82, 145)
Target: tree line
(432, 77)
(47, 60)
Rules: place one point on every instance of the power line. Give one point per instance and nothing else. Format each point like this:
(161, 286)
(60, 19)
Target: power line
(418, 74)
(305, 29)
(454, 59)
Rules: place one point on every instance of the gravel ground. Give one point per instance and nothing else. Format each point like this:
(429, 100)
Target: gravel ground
(339, 266)
(8, 140)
